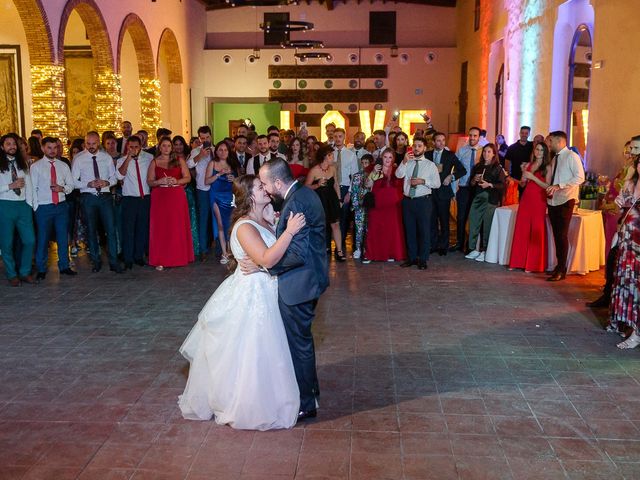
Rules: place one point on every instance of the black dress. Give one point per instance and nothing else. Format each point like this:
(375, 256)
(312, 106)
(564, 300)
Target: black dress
(330, 201)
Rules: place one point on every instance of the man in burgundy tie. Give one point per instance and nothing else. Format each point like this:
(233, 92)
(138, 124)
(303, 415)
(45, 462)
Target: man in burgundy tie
(132, 170)
(52, 181)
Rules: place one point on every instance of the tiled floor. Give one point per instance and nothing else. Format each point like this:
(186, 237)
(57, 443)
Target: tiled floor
(463, 371)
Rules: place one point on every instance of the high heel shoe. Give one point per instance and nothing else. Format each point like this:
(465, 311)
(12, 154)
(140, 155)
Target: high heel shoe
(340, 256)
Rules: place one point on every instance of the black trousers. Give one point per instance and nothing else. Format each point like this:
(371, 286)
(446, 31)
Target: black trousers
(345, 216)
(610, 268)
(297, 321)
(440, 222)
(463, 199)
(560, 218)
(416, 215)
(135, 227)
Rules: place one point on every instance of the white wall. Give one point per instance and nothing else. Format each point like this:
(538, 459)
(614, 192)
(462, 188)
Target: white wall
(438, 80)
(345, 26)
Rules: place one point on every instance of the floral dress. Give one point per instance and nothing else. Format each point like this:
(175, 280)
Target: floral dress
(625, 298)
(358, 191)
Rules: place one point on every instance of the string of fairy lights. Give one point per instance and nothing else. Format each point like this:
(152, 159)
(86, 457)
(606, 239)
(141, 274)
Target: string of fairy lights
(50, 109)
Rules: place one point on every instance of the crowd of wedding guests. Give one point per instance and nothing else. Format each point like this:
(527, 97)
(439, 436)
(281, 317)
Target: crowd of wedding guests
(171, 203)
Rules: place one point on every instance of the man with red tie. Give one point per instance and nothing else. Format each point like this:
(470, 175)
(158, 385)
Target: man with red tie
(52, 182)
(132, 170)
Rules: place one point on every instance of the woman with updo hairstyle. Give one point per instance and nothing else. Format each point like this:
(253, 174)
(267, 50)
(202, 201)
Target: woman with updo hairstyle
(323, 179)
(241, 370)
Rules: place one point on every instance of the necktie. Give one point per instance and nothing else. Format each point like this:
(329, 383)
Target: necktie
(412, 190)
(473, 157)
(339, 166)
(14, 176)
(139, 179)
(55, 196)
(436, 157)
(241, 159)
(96, 171)
(555, 167)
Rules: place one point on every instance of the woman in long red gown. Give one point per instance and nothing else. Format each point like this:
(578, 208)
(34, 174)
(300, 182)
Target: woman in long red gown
(385, 232)
(170, 241)
(529, 246)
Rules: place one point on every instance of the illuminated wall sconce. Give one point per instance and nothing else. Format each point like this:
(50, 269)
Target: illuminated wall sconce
(394, 51)
(598, 65)
(285, 119)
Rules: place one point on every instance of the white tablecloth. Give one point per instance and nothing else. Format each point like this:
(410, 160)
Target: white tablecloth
(586, 240)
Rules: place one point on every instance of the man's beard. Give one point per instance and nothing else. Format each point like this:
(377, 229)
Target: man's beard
(277, 201)
(358, 145)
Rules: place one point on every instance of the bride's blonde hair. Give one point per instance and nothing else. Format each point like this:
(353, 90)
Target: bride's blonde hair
(243, 194)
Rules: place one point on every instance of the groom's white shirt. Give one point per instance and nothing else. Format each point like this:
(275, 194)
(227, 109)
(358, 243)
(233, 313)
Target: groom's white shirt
(289, 189)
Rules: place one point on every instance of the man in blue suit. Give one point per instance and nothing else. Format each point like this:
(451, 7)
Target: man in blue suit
(302, 274)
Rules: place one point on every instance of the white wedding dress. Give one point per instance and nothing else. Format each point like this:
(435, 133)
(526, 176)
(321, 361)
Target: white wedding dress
(241, 369)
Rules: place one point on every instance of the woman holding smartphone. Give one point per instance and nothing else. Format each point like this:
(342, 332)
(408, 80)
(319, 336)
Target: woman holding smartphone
(322, 179)
(488, 180)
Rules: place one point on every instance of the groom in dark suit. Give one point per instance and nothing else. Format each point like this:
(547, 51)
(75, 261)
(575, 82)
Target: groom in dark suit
(302, 273)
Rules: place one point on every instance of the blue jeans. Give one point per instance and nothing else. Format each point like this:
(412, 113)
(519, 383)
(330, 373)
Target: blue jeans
(204, 220)
(100, 207)
(56, 217)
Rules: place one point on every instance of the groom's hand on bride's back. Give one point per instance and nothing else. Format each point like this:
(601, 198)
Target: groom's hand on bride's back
(247, 266)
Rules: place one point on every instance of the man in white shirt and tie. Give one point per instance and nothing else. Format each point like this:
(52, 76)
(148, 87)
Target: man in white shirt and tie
(346, 167)
(94, 173)
(199, 160)
(567, 174)
(468, 155)
(263, 154)
(17, 199)
(132, 171)
(52, 181)
(420, 176)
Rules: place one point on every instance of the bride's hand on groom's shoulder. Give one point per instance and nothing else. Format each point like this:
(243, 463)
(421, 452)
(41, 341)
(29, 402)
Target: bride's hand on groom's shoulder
(295, 223)
(247, 266)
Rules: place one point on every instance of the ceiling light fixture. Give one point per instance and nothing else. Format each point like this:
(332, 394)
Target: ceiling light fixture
(307, 55)
(288, 26)
(302, 44)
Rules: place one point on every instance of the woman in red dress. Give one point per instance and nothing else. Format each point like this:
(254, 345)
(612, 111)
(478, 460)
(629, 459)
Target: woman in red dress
(529, 245)
(385, 232)
(170, 242)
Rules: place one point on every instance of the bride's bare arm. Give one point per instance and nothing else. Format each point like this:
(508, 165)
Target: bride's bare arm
(255, 248)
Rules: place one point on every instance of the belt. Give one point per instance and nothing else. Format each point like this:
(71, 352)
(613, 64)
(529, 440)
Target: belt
(417, 198)
(97, 194)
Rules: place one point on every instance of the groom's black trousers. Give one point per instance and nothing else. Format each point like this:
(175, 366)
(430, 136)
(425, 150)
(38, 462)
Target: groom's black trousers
(297, 321)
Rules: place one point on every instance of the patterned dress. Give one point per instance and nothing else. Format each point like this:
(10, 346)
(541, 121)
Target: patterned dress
(625, 299)
(358, 191)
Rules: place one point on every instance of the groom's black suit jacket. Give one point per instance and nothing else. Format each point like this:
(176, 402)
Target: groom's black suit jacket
(303, 271)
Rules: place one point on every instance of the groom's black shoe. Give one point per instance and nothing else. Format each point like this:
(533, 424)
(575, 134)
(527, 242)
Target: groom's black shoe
(302, 415)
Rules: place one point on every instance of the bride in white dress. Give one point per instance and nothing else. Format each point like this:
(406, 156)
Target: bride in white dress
(241, 371)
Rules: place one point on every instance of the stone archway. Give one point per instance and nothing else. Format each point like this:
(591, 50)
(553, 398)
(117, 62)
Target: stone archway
(107, 89)
(148, 81)
(47, 77)
(169, 64)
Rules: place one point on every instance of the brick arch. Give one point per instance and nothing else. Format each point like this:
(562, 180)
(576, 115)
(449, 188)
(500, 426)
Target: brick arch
(107, 90)
(146, 65)
(36, 25)
(169, 45)
(96, 29)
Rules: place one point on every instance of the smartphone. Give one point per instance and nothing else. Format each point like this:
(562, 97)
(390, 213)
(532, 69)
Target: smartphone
(395, 116)
(206, 144)
(303, 125)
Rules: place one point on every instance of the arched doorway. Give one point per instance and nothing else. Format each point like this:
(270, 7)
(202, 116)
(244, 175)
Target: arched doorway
(93, 88)
(578, 89)
(35, 69)
(140, 87)
(499, 96)
(170, 76)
